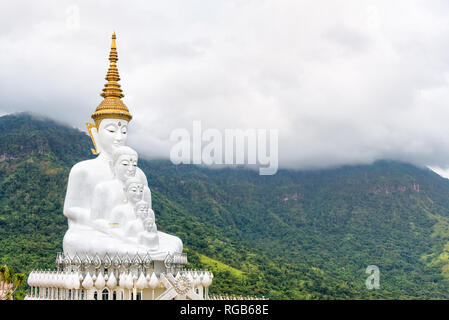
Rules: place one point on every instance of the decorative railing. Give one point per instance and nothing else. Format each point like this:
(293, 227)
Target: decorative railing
(173, 262)
(83, 277)
(74, 285)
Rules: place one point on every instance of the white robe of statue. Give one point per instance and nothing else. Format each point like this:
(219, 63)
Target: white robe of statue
(82, 237)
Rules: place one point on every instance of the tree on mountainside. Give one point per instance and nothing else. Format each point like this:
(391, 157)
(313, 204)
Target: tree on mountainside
(10, 281)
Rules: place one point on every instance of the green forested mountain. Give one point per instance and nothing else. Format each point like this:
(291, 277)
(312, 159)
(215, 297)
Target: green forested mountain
(294, 235)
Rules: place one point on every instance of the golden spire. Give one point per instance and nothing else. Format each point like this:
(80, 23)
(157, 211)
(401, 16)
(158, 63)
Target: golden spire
(112, 106)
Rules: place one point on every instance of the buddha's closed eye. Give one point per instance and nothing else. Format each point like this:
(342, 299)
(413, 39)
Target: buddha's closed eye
(111, 128)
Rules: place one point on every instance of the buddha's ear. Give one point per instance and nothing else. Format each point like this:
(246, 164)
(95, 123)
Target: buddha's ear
(93, 133)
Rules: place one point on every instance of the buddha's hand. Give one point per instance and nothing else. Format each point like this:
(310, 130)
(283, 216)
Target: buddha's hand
(77, 214)
(101, 225)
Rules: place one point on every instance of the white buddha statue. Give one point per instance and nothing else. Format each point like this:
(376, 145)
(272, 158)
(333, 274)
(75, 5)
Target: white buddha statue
(124, 213)
(108, 134)
(111, 193)
(149, 236)
(136, 220)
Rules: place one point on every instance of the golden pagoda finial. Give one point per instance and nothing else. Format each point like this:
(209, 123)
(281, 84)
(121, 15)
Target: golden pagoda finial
(113, 45)
(112, 106)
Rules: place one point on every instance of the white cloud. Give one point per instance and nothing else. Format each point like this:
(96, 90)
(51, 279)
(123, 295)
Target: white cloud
(345, 82)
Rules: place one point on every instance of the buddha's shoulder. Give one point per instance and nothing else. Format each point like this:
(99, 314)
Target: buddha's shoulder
(91, 166)
(122, 207)
(140, 174)
(108, 185)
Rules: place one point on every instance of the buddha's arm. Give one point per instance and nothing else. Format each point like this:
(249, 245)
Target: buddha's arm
(147, 195)
(142, 176)
(131, 229)
(75, 208)
(119, 233)
(98, 199)
(101, 225)
(77, 214)
(147, 191)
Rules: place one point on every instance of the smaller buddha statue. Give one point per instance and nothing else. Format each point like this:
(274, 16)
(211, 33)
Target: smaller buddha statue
(112, 193)
(149, 236)
(135, 220)
(145, 226)
(124, 214)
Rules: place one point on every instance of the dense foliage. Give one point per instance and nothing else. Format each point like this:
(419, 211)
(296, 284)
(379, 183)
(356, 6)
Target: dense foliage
(294, 235)
(10, 282)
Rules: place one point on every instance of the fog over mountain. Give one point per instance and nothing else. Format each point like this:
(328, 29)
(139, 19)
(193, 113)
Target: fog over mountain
(345, 82)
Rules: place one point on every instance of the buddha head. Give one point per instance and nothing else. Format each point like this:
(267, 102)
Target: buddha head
(148, 224)
(141, 209)
(134, 190)
(112, 134)
(124, 163)
(111, 116)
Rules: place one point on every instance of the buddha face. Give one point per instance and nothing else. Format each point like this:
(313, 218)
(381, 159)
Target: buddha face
(148, 224)
(134, 193)
(112, 133)
(142, 211)
(125, 167)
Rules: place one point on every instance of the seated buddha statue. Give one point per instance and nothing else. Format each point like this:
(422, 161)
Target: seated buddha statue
(124, 213)
(149, 236)
(112, 193)
(108, 134)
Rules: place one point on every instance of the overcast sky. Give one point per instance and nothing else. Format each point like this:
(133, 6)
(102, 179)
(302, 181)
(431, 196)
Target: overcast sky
(345, 82)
